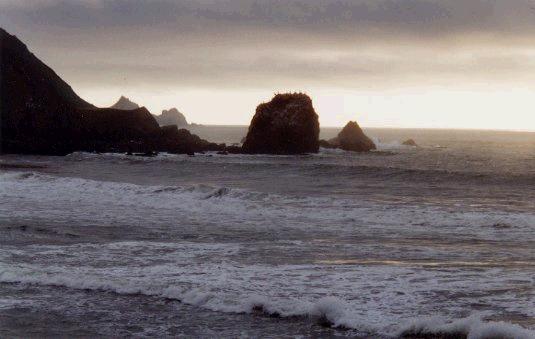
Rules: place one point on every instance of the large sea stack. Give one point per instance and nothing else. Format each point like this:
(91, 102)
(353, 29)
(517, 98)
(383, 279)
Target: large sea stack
(352, 138)
(287, 124)
(41, 114)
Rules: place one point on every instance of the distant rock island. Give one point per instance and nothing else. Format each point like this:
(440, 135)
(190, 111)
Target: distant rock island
(410, 142)
(41, 114)
(125, 104)
(167, 117)
(171, 117)
(351, 138)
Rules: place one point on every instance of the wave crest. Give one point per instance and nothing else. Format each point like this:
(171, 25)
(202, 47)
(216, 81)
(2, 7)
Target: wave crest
(472, 327)
(326, 311)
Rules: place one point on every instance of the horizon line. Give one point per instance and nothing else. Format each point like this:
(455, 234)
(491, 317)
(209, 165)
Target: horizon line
(393, 127)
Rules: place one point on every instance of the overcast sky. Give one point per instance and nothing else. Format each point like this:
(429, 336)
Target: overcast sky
(395, 63)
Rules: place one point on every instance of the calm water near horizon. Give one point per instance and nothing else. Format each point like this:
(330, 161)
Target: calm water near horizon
(438, 237)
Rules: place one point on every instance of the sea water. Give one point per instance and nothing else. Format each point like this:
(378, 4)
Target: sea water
(424, 241)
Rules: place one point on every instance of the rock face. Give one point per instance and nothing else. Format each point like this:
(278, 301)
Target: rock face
(125, 104)
(113, 130)
(41, 114)
(410, 142)
(38, 109)
(287, 124)
(352, 138)
(171, 117)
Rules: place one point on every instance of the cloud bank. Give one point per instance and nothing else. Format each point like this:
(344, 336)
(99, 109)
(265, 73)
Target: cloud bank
(364, 43)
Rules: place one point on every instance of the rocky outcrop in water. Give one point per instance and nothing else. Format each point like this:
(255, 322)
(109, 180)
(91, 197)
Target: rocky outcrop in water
(41, 114)
(410, 142)
(352, 138)
(287, 124)
(171, 117)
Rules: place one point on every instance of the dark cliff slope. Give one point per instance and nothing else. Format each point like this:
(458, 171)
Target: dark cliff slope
(41, 114)
(36, 105)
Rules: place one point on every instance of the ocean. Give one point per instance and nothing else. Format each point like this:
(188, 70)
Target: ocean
(423, 242)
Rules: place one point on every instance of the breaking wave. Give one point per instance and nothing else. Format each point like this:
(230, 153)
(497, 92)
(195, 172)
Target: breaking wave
(91, 196)
(472, 327)
(327, 162)
(326, 311)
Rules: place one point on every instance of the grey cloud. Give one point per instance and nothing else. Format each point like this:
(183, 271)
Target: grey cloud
(425, 17)
(253, 69)
(244, 43)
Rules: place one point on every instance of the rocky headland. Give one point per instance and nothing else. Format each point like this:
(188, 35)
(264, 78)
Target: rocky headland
(41, 114)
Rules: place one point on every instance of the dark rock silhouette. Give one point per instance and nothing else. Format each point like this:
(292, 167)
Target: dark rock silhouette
(232, 149)
(287, 124)
(325, 144)
(113, 130)
(37, 107)
(352, 138)
(168, 117)
(174, 140)
(125, 104)
(410, 142)
(41, 114)
(171, 117)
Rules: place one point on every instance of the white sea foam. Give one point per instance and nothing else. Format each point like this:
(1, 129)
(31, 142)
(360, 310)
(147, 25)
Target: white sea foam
(373, 299)
(327, 310)
(391, 145)
(7, 303)
(324, 151)
(472, 327)
(89, 197)
(404, 261)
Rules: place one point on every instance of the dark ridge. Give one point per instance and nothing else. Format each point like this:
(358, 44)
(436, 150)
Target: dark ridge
(33, 82)
(41, 114)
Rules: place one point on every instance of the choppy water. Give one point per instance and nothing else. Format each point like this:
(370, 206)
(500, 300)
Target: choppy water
(437, 239)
